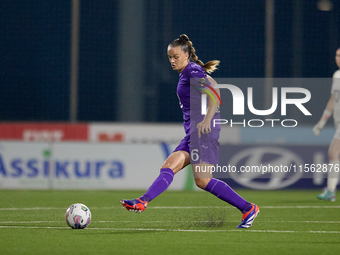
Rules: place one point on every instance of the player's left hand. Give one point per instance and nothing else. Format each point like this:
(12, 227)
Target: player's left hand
(203, 128)
(317, 129)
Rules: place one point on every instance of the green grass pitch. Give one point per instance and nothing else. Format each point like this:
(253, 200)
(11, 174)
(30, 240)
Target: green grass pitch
(183, 222)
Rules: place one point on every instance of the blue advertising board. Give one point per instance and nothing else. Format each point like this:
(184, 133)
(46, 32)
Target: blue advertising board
(269, 167)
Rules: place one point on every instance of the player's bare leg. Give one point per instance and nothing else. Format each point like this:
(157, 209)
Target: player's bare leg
(172, 165)
(204, 180)
(333, 170)
(202, 174)
(177, 161)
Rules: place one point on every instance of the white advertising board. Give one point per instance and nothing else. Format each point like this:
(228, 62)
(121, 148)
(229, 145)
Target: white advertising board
(82, 165)
(151, 133)
(24, 165)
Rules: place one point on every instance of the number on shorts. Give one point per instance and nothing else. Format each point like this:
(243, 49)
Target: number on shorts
(194, 155)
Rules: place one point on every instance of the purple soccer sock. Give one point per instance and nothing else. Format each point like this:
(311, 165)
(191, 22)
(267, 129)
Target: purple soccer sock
(223, 191)
(161, 183)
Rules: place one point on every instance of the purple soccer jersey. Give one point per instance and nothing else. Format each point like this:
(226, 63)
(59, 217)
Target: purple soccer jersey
(189, 89)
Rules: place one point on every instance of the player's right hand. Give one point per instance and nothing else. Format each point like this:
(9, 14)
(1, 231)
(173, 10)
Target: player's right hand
(203, 128)
(317, 129)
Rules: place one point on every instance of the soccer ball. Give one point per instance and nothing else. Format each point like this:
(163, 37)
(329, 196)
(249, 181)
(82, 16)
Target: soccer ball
(78, 216)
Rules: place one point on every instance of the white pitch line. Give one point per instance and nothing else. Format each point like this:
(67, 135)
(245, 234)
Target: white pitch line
(206, 221)
(169, 221)
(306, 221)
(114, 207)
(185, 230)
(29, 222)
(265, 207)
(31, 208)
(302, 207)
(178, 207)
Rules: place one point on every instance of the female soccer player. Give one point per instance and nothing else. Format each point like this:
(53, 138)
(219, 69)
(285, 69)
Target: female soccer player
(201, 140)
(333, 106)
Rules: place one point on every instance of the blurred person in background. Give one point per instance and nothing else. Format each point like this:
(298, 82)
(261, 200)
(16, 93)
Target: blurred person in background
(333, 106)
(201, 140)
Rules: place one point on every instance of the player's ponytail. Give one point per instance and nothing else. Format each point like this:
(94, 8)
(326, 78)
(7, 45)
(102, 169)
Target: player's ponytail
(187, 47)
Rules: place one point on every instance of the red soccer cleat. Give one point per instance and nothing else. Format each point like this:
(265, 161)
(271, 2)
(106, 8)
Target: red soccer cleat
(249, 217)
(136, 205)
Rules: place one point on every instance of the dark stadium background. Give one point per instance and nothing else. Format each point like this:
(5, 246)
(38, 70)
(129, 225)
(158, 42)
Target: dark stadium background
(36, 38)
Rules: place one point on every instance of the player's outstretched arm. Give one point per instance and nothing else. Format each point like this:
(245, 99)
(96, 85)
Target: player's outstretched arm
(204, 127)
(325, 116)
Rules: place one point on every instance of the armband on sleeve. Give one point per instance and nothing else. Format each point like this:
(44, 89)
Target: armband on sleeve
(326, 114)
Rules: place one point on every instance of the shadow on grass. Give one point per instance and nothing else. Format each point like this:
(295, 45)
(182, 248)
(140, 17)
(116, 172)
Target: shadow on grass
(213, 218)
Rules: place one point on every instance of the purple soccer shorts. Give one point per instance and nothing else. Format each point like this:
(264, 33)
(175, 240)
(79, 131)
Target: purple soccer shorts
(201, 150)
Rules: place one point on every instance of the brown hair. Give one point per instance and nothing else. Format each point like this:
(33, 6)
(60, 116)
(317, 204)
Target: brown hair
(186, 46)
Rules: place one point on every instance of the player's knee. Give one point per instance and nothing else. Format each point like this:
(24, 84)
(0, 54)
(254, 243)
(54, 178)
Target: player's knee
(199, 183)
(333, 154)
(177, 161)
(167, 168)
(202, 182)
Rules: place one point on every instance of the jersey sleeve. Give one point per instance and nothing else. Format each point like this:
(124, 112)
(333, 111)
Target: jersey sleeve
(198, 79)
(335, 81)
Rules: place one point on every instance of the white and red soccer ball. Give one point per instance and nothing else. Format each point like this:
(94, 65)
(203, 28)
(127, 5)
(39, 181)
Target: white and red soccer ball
(78, 216)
